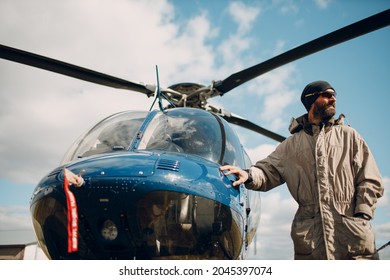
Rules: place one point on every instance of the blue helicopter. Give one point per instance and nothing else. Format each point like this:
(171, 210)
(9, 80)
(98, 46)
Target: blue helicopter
(162, 198)
(147, 184)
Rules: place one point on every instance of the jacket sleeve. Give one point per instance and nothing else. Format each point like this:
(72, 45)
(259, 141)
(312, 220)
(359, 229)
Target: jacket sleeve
(368, 181)
(266, 172)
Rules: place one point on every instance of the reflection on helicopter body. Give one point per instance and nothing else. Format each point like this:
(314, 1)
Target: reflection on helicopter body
(152, 190)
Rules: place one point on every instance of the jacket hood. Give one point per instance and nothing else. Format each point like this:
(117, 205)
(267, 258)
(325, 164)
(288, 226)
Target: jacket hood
(302, 122)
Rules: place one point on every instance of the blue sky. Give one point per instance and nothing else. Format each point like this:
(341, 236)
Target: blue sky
(191, 41)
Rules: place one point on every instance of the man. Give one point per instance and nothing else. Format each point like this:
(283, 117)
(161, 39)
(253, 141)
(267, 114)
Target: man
(331, 173)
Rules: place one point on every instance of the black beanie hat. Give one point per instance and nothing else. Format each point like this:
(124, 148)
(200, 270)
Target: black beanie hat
(313, 87)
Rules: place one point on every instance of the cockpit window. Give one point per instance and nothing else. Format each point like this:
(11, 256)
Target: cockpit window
(114, 133)
(233, 150)
(185, 131)
(182, 130)
(193, 131)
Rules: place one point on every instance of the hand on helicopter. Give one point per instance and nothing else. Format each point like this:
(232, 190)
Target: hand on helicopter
(242, 175)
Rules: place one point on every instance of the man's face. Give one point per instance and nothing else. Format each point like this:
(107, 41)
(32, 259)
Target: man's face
(325, 105)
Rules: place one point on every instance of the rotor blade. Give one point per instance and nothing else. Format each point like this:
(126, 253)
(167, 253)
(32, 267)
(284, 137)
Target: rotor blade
(71, 70)
(349, 32)
(251, 126)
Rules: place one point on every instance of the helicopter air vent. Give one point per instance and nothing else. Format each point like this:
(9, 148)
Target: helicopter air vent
(167, 164)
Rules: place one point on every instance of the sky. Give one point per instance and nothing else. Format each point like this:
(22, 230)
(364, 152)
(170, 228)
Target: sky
(43, 113)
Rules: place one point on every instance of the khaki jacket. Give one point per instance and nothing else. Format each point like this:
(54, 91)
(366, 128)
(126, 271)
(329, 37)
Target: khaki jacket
(332, 175)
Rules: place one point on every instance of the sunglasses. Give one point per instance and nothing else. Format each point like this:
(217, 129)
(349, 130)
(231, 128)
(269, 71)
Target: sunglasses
(325, 94)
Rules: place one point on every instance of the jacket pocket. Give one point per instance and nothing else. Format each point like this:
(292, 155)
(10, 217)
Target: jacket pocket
(358, 236)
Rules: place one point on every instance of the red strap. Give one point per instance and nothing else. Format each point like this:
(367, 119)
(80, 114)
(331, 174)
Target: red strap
(72, 217)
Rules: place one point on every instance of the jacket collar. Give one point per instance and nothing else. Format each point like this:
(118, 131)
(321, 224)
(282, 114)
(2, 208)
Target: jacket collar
(302, 122)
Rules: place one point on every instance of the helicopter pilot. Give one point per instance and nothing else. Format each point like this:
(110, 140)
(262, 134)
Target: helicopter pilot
(331, 173)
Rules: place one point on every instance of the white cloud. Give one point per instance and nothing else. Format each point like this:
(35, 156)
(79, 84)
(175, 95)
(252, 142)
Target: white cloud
(289, 8)
(260, 152)
(234, 46)
(238, 43)
(244, 15)
(274, 89)
(323, 4)
(193, 57)
(273, 239)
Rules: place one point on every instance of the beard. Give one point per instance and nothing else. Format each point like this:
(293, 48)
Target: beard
(324, 111)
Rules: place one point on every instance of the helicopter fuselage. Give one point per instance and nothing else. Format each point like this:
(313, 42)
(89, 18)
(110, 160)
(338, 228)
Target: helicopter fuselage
(162, 198)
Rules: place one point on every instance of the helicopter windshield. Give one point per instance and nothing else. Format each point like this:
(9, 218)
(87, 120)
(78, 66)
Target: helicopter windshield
(186, 131)
(183, 130)
(192, 131)
(114, 133)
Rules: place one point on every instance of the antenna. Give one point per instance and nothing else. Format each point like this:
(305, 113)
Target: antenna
(159, 95)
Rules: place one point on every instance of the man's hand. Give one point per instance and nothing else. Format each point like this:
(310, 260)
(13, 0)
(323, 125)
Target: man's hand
(242, 176)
